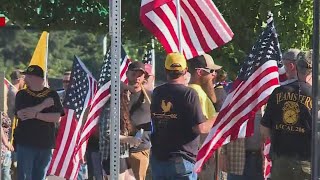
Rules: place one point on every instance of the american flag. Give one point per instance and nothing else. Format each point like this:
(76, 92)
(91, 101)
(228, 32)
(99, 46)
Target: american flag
(267, 160)
(257, 78)
(147, 58)
(103, 94)
(79, 96)
(203, 27)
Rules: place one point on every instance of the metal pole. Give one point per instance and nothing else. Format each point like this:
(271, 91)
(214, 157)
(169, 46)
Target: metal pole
(115, 88)
(2, 100)
(179, 25)
(315, 87)
(153, 58)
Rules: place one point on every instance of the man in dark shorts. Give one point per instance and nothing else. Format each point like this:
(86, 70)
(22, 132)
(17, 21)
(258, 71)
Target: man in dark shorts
(37, 109)
(178, 120)
(288, 121)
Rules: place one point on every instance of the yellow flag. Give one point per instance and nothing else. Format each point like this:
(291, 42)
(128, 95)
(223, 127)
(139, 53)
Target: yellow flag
(40, 54)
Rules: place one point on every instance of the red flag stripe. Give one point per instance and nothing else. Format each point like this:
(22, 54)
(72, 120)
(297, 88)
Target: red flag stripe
(2, 21)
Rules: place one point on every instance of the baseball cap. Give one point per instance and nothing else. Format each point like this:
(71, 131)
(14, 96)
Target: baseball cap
(203, 61)
(175, 62)
(291, 55)
(16, 74)
(34, 70)
(305, 59)
(136, 66)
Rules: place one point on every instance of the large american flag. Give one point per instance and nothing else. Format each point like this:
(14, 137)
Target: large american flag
(203, 27)
(257, 78)
(102, 95)
(79, 96)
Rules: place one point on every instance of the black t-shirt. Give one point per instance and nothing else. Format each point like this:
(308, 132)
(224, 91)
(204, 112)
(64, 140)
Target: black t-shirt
(288, 115)
(34, 132)
(175, 109)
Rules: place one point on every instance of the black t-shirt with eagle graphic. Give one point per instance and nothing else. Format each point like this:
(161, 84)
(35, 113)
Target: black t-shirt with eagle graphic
(175, 109)
(288, 115)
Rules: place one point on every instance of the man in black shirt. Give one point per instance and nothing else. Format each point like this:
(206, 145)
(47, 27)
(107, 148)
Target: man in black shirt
(288, 121)
(178, 120)
(37, 109)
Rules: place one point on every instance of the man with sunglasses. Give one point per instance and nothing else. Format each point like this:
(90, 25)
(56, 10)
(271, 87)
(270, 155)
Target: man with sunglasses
(203, 71)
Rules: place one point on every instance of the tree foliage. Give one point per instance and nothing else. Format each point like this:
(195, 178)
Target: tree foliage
(17, 47)
(293, 20)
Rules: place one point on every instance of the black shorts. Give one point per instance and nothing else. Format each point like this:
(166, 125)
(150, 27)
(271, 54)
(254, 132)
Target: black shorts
(124, 165)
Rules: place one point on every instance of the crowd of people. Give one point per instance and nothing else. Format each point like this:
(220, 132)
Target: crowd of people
(162, 128)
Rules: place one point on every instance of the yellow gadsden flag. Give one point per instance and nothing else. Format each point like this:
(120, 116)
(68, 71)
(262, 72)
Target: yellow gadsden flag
(40, 54)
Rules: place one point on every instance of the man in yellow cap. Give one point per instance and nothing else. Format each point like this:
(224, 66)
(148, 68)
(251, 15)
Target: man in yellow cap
(178, 121)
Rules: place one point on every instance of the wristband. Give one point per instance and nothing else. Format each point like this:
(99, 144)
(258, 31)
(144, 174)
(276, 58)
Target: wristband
(35, 116)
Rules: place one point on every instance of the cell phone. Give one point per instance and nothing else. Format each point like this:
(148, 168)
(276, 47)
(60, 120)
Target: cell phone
(139, 134)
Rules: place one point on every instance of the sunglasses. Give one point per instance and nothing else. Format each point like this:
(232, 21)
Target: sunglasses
(210, 71)
(65, 81)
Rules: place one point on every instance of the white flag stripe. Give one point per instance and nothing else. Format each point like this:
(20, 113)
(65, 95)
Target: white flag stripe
(243, 129)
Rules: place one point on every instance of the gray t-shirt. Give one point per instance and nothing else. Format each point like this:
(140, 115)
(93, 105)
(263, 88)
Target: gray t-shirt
(141, 118)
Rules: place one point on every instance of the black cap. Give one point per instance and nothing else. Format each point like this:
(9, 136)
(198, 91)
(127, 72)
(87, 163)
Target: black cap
(34, 70)
(137, 66)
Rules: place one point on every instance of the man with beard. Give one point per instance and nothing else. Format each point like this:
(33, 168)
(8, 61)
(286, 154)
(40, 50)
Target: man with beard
(139, 107)
(203, 71)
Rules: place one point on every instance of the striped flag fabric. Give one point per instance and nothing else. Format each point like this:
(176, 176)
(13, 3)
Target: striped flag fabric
(202, 26)
(79, 96)
(103, 94)
(267, 160)
(257, 79)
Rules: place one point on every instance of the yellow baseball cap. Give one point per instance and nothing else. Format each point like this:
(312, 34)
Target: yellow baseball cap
(175, 62)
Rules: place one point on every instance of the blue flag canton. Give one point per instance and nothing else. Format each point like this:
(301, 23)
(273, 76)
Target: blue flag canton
(147, 58)
(78, 89)
(266, 48)
(105, 75)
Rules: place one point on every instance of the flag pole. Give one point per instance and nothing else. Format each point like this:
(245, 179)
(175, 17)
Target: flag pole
(153, 58)
(46, 80)
(179, 25)
(315, 93)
